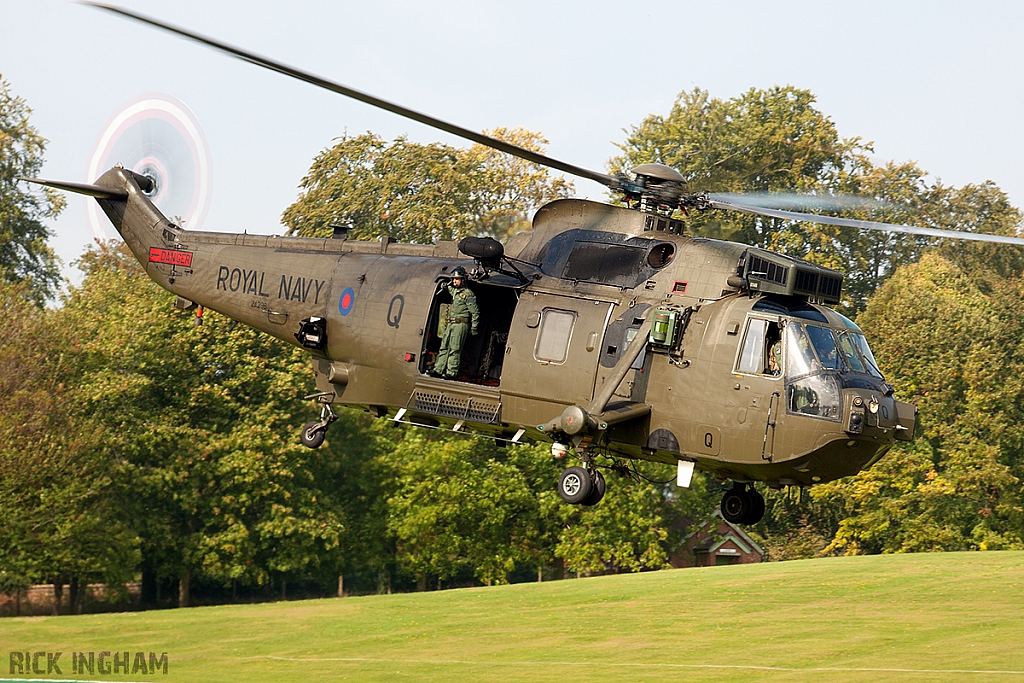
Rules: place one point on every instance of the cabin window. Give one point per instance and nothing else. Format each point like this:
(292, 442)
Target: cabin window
(553, 339)
(761, 353)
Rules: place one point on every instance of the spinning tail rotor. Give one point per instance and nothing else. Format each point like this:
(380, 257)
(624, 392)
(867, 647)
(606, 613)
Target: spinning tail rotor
(156, 136)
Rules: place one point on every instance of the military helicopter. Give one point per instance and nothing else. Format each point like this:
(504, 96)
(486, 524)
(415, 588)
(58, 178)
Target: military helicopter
(607, 330)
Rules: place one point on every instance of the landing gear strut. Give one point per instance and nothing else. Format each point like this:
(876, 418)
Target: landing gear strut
(742, 504)
(314, 433)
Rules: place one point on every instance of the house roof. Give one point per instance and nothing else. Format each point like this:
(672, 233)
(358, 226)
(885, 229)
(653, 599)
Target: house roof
(736, 534)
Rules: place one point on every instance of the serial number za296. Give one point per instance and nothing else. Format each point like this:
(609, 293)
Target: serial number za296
(262, 305)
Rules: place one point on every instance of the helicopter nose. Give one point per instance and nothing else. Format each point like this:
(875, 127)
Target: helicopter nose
(868, 412)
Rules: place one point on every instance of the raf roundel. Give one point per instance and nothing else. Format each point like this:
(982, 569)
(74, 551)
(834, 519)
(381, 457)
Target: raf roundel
(348, 297)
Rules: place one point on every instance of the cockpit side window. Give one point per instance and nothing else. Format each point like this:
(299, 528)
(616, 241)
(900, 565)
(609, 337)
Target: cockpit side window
(753, 347)
(850, 353)
(865, 351)
(761, 353)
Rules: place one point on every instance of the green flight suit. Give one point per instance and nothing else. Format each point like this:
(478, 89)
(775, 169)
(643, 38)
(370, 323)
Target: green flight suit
(463, 319)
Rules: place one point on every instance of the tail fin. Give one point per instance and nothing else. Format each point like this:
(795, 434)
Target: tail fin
(122, 196)
(97, 191)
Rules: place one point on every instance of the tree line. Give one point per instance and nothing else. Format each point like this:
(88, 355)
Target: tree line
(136, 444)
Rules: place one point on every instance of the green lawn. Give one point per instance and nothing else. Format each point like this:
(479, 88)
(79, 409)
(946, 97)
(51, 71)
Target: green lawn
(943, 616)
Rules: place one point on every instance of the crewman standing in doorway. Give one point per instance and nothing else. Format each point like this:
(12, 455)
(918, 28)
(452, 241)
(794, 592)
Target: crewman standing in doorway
(463, 320)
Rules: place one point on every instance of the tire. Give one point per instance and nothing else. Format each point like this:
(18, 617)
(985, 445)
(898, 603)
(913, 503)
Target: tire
(597, 493)
(575, 485)
(312, 435)
(737, 505)
(756, 507)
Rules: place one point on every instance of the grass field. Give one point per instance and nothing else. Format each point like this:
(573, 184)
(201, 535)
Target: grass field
(937, 617)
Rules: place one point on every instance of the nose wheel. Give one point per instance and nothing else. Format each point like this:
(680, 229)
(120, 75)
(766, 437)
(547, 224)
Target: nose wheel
(742, 504)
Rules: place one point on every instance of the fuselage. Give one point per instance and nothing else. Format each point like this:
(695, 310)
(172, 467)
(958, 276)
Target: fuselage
(704, 389)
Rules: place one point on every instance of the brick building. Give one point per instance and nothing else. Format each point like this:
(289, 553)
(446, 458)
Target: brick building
(717, 542)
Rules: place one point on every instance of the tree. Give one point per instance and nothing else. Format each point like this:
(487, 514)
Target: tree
(627, 531)
(460, 508)
(61, 517)
(203, 420)
(762, 141)
(903, 195)
(357, 467)
(24, 253)
(948, 338)
(421, 193)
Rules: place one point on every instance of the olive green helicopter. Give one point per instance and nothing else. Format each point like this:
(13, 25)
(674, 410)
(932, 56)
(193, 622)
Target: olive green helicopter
(605, 330)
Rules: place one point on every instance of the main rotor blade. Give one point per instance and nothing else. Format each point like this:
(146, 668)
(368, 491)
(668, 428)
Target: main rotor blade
(791, 201)
(871, 225)
(487, 141)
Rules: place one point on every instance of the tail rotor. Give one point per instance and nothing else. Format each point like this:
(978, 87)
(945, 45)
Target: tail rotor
(159, 137)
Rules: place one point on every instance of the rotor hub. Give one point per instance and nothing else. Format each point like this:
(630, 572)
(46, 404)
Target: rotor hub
(660, 187)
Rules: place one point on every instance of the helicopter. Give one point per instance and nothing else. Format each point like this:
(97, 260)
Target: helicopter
(607, 330)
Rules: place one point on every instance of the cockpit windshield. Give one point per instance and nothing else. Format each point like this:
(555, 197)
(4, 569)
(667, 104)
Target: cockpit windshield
(813, 348)
(825, 345)
(809, 389)
(800, 358)
(850, 354)
(812, 351)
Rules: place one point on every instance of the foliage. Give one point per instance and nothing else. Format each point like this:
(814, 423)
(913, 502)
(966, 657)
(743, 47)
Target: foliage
(58, 504)
(761, 140)
(459, 507)
(24, 254)
(627, 531)
(950, 340)
(357, 468)
(421, 193)
(797, 525)
(764, 140)
(203, 420)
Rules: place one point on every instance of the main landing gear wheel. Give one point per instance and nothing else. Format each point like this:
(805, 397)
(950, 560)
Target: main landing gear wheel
(575, 485)
(757, 512)
(742, 504)
(597, 493)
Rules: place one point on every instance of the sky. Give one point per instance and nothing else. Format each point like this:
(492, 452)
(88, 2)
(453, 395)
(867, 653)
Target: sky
(940, 83)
